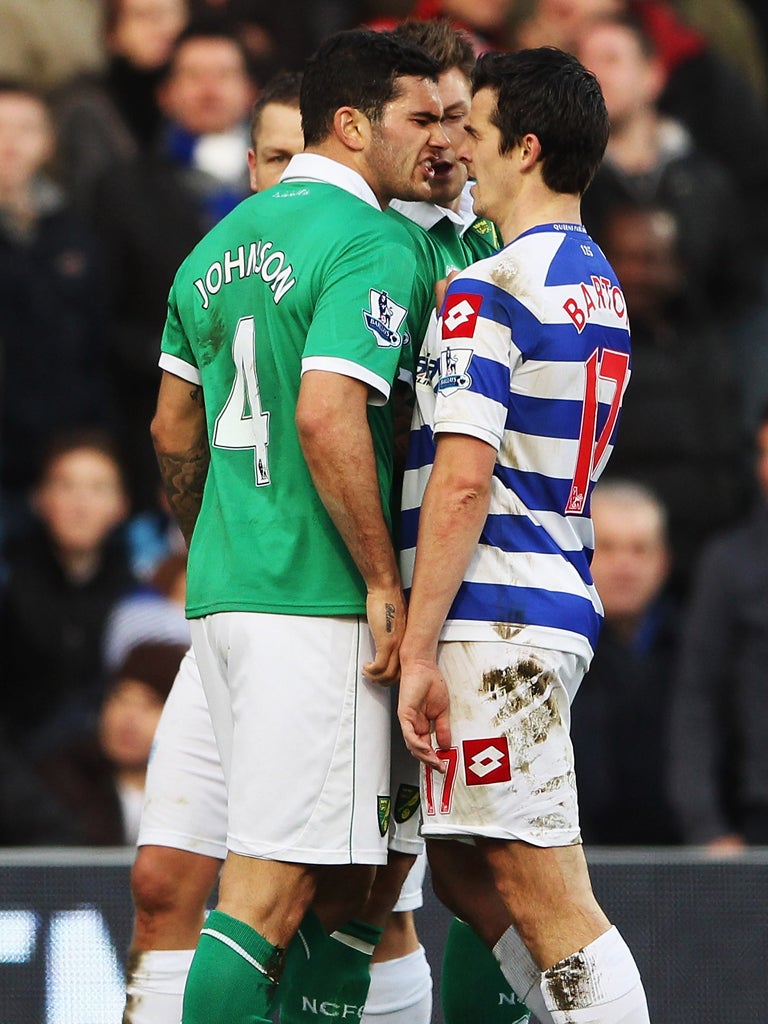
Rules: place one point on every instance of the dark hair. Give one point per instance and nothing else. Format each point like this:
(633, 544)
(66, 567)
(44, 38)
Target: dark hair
(548, 93)
(78, 439)
(284, 88)
(14, 87)
(449, 47)
(154, 663)
(359, 69)
(632, 23)
(205, 29)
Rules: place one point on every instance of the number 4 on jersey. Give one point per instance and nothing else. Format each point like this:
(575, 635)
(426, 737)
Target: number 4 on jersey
(242, 423)
(613, 367)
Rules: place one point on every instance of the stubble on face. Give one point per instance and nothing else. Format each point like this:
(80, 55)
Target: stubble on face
(405, 143)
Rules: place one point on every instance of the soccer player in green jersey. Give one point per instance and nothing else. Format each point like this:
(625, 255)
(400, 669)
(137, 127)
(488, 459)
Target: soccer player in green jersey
(284, 335)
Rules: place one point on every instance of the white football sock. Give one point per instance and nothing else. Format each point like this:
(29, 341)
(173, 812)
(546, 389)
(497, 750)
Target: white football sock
(599, 984)
(155, 986)
(522, 973)
(400, 992)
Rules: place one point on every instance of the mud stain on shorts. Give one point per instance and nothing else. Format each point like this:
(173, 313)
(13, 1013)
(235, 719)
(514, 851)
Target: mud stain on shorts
(525, 706)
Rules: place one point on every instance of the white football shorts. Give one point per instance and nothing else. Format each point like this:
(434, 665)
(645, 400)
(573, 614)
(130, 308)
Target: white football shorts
(185, 796)
(304, 738)
(509, 770)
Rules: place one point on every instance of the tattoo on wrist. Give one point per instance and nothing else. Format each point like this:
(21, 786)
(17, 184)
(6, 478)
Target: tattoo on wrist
(389, 611)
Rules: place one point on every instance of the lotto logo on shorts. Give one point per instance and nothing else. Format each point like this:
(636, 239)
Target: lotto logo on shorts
(486, 761)
(460, 315)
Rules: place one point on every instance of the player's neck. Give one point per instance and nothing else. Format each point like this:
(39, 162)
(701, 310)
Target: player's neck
(541, 207)
(352, 159)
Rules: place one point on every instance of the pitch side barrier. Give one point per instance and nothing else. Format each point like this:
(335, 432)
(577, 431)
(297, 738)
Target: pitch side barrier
(698, 928)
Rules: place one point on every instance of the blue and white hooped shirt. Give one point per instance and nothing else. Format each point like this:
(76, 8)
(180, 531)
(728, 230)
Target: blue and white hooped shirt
(531, 354)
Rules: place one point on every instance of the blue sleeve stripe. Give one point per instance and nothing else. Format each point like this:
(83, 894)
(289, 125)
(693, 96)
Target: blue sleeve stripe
(421, 448)
(496, 301)
(489, 379)
(409, 528)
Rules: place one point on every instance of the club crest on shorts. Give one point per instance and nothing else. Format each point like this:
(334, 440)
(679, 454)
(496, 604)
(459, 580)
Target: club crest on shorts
(454, 363)
(486, 761)
(406, 802)
(384, 808)
(384, 320)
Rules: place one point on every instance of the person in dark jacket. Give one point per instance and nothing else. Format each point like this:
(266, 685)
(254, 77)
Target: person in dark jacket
(99, 777)
(52, 306)
(619, 722)
(62, 580)
(719, 767)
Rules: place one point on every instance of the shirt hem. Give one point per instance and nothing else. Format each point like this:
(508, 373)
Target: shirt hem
(524, 636)
(200, 611)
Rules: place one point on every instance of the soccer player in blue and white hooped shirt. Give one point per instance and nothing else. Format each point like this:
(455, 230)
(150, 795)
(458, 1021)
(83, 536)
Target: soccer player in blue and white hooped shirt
(518, 398)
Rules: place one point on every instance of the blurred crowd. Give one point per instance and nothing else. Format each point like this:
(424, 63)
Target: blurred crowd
(124, 133)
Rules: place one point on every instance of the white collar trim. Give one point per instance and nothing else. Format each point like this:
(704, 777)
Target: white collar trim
(314, 167)
(426, 215)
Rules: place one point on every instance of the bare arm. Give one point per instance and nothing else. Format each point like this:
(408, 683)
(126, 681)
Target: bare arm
(332, 423)
(181, 444)
(452, 515)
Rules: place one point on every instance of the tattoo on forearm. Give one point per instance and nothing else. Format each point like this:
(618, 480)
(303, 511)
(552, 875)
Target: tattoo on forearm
(183, 475)
(196, 394)
(389, 611)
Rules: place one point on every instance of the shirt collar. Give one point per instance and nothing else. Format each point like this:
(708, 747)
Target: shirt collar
(426, 215)
(313, 167)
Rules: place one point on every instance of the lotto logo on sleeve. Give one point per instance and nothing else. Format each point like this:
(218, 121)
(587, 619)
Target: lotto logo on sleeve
(460, 315)
(486, 761)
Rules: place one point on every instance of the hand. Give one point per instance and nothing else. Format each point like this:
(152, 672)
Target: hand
(424, 704)
(441, 287)
(386, 621)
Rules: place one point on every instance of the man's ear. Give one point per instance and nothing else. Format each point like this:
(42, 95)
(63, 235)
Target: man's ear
(530, 151)
(352, 128)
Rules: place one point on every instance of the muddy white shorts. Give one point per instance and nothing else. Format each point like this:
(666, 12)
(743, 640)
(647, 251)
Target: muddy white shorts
(510, 765)
(304, 738)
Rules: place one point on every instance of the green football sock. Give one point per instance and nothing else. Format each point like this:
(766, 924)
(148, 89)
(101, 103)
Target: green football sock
(472, 987)
(327, 975)
(233, 976)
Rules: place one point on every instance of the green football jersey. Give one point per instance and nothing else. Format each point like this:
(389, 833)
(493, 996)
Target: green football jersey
(307, 275)
(442, 247)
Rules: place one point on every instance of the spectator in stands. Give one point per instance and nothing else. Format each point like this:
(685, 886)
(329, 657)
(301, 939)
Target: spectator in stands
(62, 581)
(99, 777)
(116, 115)
(150, 213)
(489, 23)
(719, 769)
(651, 158)
(734, 32)
(153, 612)
(680, 431)
(29, 814)
(276, 133)
(45, 44)
(619, 723)
(51, 302)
